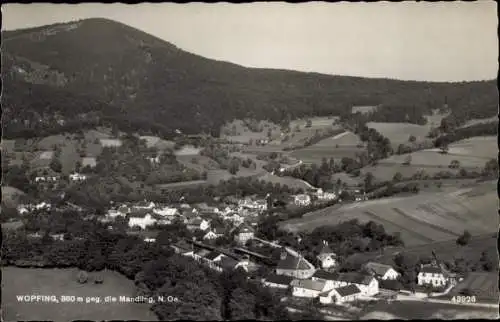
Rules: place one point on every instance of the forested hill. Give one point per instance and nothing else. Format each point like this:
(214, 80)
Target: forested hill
(136, 80)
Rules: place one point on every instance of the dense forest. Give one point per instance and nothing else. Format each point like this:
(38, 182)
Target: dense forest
(97, 71)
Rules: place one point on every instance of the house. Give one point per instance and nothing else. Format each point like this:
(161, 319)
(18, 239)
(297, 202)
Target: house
(214, 233)
(340, 295)
(183, 248)
(166, 212)
(368, 285)
(77, 177)
(57, 237)
(243, 234)
(294, 265)
(47, 178)
(307, 288)
(302, 200)
(149, 240)
(277, 281)
(227, 263)
(381, 271)
(144, 205)
(327, 257)
(43, 205)
(198, 223)
(142, 222)
(154, 160)
(321, 195)
(432, 275)
(89, 162)
(203, 207)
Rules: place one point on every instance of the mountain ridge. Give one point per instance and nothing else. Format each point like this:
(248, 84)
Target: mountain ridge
(146, 78)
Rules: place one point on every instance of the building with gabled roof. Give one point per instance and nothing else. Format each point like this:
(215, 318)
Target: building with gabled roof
(381, 271)
(433, 275)
(307, 288)
(366, 283)
(277, 281)
(243, 234)
(340, 295)
(294, 265)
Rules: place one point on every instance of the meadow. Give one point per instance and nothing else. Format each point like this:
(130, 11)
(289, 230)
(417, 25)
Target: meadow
(480, 121)
(58, 282)
(339, 146)
(421, 219)
(399, 133)
(11, 195)
(415, 310)
(483, 285)
(289, 181)
(472, 154)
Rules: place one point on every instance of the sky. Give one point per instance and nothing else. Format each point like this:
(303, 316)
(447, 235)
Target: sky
(442, 41)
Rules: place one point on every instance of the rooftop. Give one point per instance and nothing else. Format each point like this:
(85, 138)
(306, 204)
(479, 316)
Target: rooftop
(377, 269)
(279, 279)
(431, 269)
(294, 263)
(308, 284)
(348, 290)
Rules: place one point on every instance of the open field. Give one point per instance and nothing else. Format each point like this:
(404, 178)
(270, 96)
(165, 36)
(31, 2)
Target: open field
(214, 176)
(419, 310)
(480, 121)
(305, 133)
(58, 282)
(399, 133)
(244, 135)
(8, 145)
(420, 219)
(289, 181)
(10, 195)
(199, 163)
(155, 141)
(349, 180)
(337, 147)
(472, 154)
(483, 285)
(444, 250)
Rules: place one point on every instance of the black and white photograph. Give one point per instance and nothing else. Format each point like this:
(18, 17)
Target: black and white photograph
(265, 161)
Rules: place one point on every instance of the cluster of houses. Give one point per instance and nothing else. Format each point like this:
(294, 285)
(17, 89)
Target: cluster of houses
(328, 286)
(53, 177)
(197, 217)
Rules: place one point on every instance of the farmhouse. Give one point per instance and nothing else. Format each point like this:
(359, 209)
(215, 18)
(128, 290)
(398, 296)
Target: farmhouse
(381, 271)
(144, 205)
(243, 234)
(89, 162)
(340, 295)
(366, 283)
(77, 177)
(142, 222)
(307, 288)
(432, 275)
(110, 142)
(214, 233)
(321, 195)
(302, 200)
(166, 212)
(197, 223)
(277, 281)
(327, 257)
(295, 266)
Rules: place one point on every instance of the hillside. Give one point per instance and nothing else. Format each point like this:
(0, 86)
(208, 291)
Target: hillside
(420, 219)
(96, 71)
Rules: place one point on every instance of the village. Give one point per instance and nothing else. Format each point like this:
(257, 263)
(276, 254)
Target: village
(223, 238)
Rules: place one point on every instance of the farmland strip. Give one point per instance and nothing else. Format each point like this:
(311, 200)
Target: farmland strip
(418, 235)
(399, 211)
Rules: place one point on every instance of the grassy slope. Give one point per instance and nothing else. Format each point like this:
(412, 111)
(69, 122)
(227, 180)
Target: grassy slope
(22, 281)
(420, 219)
